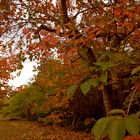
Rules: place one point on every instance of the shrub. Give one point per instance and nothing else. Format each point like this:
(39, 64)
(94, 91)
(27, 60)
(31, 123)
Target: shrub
(28, 103)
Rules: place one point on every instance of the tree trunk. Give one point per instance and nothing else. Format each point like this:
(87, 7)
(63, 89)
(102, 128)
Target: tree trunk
(107, 97)
(107, 100)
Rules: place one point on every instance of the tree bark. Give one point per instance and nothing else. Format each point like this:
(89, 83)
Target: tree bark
(107, 100)
(107, 97)
(66, 18)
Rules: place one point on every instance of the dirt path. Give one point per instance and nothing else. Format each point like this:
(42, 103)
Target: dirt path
(24, 130)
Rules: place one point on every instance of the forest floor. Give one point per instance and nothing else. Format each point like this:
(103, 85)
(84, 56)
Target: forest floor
(25, 130)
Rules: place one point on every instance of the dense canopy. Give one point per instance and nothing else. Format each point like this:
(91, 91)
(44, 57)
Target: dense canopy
(82, 46)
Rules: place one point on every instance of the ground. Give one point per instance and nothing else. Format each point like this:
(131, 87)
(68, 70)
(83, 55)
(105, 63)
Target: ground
(25, 130)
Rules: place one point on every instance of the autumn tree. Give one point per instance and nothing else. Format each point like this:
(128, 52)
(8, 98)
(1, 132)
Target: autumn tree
(59, 81)
(105, 36)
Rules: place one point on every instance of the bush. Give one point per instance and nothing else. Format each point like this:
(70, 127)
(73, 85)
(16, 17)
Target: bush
(28, 104)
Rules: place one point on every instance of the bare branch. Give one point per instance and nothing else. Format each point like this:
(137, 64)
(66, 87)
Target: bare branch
(132, 98)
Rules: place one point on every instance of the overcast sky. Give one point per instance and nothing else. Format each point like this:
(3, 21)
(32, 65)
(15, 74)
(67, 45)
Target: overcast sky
(25, 76)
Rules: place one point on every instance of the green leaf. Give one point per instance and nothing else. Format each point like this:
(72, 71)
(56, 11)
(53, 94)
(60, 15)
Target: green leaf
(130, 8)
(99, 129)
(84, 64)
(116, 130)
(104, 77)
(135, 70)
(91, 43)
(106, 65)
(95, 68)
(137, 114)
(85, 87)
(94, 82)
(61, 74)
(116, 112)
(91, 68)
(132, 125)
(109, 54)
(71, 90)
(125, 60)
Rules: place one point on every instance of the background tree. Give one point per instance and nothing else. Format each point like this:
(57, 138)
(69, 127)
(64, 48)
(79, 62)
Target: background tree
(27, 103)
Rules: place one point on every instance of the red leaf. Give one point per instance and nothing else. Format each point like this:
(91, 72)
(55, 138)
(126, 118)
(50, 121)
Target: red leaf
(26, 30)
(118, 12)
(28, 36)
(31, 47)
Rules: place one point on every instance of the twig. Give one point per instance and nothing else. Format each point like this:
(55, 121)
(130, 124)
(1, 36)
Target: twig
(132, 98)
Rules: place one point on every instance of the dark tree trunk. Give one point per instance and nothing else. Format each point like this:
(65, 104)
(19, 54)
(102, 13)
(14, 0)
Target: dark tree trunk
(107, 97)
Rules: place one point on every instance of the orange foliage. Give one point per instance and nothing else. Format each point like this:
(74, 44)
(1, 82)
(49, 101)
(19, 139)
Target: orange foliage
(132, 138)
(7, 65)
(69, 38)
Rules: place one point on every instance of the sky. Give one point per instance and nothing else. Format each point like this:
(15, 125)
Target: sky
(26, 75)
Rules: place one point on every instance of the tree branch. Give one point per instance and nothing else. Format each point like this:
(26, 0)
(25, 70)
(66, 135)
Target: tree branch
(66, 18)
(44, 27)
(116, 38)
(132, 98)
